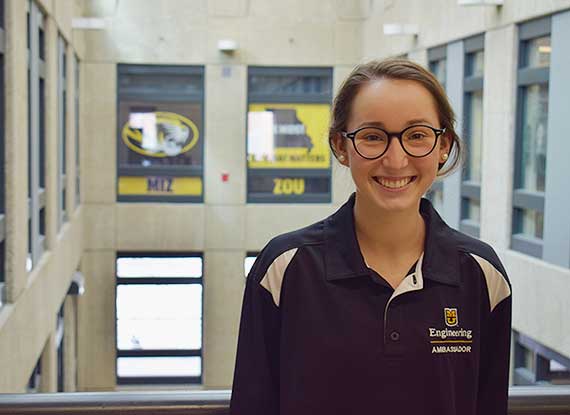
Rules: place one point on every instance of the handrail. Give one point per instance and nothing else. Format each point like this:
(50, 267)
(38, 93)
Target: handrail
(118, 403)
(527, 400)
(539, 400)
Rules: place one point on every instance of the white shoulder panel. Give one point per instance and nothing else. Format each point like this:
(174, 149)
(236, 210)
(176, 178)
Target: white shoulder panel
(497, 284)
(273, 278)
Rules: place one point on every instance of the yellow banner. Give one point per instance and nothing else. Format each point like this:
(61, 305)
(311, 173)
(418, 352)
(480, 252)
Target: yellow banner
(159, 134)
(291, 136)
(160, 186)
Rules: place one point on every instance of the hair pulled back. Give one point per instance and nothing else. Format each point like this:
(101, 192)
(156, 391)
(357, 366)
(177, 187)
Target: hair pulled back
(397, 69)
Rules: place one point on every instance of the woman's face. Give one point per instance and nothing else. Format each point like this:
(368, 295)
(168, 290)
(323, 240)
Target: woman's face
(395, 181)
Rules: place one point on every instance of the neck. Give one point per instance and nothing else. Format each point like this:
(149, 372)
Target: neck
(388, 232)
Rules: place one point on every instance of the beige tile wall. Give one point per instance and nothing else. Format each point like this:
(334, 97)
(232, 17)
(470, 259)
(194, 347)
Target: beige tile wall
(330, 33)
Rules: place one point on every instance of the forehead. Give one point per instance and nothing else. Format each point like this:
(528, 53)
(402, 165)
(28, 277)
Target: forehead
(392, 103)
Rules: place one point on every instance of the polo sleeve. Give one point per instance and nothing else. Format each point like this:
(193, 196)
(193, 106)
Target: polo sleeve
(255, 389)
(492, 396)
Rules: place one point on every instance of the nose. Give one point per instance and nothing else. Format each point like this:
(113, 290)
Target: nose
(395, 157)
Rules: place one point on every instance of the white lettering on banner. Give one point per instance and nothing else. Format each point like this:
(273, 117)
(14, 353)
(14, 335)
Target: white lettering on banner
(289, 129)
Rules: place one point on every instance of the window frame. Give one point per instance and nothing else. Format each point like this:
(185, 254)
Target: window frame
(250, 254)
(470, 189)
(542, 355)
(436, 55)
(35, 379)
(77, 134)
(62, 130)
(36, 135)
(159, 352)
(526, 76)
(160, 96)
(2, 156)
(298, 98)
(60, 345)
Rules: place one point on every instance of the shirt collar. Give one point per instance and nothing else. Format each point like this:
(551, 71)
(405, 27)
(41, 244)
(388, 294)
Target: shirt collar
(343, 258)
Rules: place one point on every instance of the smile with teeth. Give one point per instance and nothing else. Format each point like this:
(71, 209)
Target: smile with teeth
(394, 184)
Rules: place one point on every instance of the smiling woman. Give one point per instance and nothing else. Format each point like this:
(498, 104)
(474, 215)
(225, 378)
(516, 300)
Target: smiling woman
(381, 279)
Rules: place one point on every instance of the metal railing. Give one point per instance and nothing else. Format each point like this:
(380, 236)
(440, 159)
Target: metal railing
(527, 400)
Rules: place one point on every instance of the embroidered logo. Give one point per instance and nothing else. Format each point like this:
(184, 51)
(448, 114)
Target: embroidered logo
(446, 340)
(450, 317)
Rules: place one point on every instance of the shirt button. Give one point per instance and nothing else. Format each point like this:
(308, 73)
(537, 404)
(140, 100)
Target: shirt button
(395, 336)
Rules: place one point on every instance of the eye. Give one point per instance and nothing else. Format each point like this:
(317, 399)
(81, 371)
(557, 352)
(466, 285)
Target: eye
(417, 135)
(373, 137)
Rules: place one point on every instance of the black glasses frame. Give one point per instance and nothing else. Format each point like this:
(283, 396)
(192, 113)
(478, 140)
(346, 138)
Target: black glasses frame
(437, 131)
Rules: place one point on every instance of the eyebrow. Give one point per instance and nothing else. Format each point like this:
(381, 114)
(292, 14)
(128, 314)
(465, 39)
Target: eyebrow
(407, 124)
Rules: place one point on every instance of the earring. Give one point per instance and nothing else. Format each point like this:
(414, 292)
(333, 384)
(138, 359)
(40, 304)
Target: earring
(341, 157)
(445, 156)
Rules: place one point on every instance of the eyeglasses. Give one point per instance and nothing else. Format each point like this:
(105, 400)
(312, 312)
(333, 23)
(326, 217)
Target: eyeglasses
(372, 142)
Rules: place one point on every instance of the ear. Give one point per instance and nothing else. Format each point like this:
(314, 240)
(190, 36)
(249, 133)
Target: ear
(445, 146)
(339, 147)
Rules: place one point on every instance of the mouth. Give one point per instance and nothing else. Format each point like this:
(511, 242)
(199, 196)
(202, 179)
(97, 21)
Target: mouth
(394, 183)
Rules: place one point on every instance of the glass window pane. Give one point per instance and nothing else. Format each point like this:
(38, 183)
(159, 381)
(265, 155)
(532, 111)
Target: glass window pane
(471, 209)
(159, 366)
(288, 136)
(436, 198)
(248, 263)
(475, 136)
(288, 85)
(159, 316)
(155, 267)
(538, 52)
(176, 84)
(288, 155)
(475, 63)
(160, 133)
(534, 137)
(530, 222)
(439, 70)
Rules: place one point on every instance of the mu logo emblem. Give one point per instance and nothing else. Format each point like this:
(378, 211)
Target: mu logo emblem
(450, 316)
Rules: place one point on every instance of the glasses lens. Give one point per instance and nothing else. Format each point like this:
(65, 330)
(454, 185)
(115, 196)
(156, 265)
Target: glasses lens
(418, 140)
(370, 142)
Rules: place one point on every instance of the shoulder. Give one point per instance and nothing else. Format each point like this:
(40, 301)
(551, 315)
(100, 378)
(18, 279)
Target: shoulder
(281, 249)
(268, 271)
(484, 257)
(477, 249)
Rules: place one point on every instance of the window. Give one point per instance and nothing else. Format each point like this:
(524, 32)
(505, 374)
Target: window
(59, 334)
(62, 115)
(159, 318)
(536, 364)
(473, 133)
(77, 143)
(531, 136)
(36, 135)
(2, 138)
(437, 62)
(288, 156)
(160, 133)
(249, 261)
(34, 381)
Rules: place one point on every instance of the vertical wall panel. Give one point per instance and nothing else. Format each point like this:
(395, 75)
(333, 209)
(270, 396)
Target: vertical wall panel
(497, 162)
(454, 89)
(557, 193)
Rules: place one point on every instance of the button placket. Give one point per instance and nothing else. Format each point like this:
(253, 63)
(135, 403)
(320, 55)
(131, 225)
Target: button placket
(392, 315)
(392, 327)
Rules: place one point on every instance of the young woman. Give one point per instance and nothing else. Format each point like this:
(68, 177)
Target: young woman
(380, 308)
